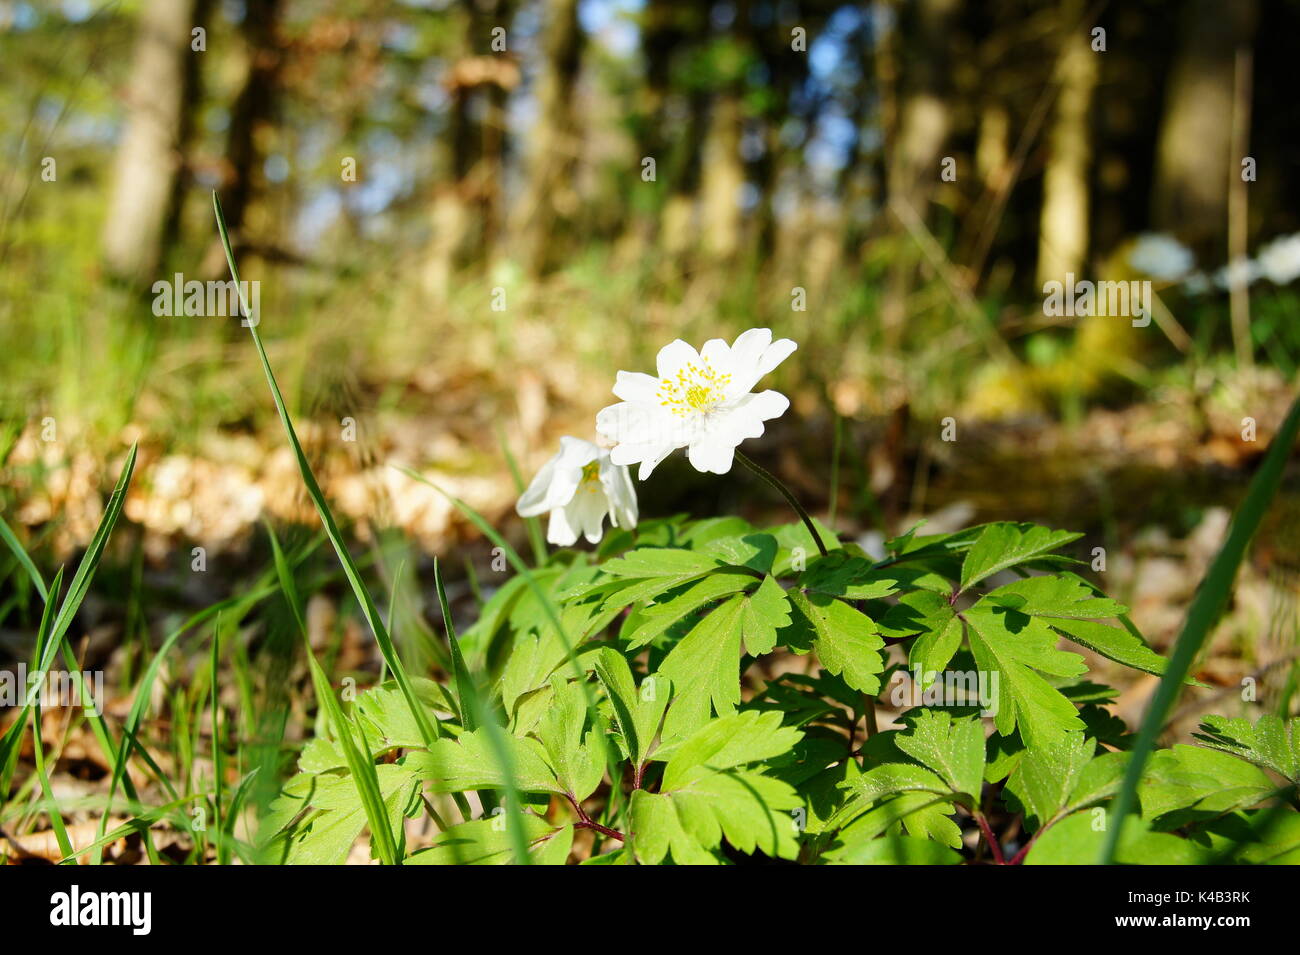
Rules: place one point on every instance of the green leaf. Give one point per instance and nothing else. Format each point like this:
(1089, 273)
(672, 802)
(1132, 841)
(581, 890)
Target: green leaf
(1047, 774)
(1270, 743)
(1258, 837)
(887, 779)
(472, 763)
(921, 812)
(935, 619)
(339, 815)
(661, 562)
(659, 616)
(578, 761)
(1001, 546)
(846, 640)
(1114, 643)
(637, 713)
(765, 612)
(705, 666)
(705, 670)
(1077, 839)
(1053, 595)
(386, 719)
(953, 748)
(1017, 647)
(843, 575)
(754, 551)
(1189, 782)
(893, 850)
(711, 791)
(486, 842)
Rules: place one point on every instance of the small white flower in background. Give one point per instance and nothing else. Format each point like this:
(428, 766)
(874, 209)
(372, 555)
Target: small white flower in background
(1239, 271)
(1161, 256)
(579, 486)
(701, 401)
(1198, 283)
(1279, 261)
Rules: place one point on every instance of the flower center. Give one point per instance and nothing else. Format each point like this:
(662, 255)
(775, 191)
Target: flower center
(591, 476)
(695, 389)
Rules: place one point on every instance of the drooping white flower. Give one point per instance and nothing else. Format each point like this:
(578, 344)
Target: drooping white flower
(1279, 261)
(1161, 256)
(579, 486)
(702, 401)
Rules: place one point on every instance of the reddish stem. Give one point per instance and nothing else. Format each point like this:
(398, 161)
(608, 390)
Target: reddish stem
(586, 822)
(603, 830)
(998, 858)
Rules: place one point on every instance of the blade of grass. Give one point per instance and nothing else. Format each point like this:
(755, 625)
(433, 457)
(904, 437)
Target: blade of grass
(429, 729)
(140, 823)
(215, 719)
(364, 776)
(67, 610)
(51, 806)
(20, 552)
(1207, 606)
(472, 714)
(466, 692)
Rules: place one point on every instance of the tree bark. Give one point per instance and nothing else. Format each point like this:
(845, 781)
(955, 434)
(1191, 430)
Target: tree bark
(254, 106)
(1063, 221)
(1190, 195)
(549, 197)
(145, 196)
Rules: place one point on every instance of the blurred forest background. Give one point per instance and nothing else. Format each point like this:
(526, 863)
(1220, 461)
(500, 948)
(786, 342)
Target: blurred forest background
(466, 216)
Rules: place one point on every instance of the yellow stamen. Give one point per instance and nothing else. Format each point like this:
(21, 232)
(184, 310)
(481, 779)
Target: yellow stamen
(694, 389)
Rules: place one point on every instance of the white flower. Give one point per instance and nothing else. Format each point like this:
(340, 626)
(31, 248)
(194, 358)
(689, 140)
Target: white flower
(579, 486)
(1160, 256)
(1240, 271)
(1279, 261)
(699, 401)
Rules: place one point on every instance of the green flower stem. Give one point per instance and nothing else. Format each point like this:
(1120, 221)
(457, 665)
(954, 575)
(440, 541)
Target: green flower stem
(773, 480)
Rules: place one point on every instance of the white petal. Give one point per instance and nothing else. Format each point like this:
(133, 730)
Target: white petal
(673, 356)
(588, 512)
(743, 419)
(576, 453)
(559, 531)
(533, 501)
(753, 355)
(749, 346)
(624, 421)
(711, 456)
(775, 353)
(637, 387)
(767, 405)
(622, 496)
(651, 460)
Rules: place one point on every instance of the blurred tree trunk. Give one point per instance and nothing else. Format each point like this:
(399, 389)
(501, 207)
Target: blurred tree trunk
(676, 228)
(163, 85)
(253, 108)
(661, 35)
(452, 220)
(724, 167)
(921, 94)
(549, 198)
(1193, 161)
(1063, 221)
(724, 175)
(491, 173)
